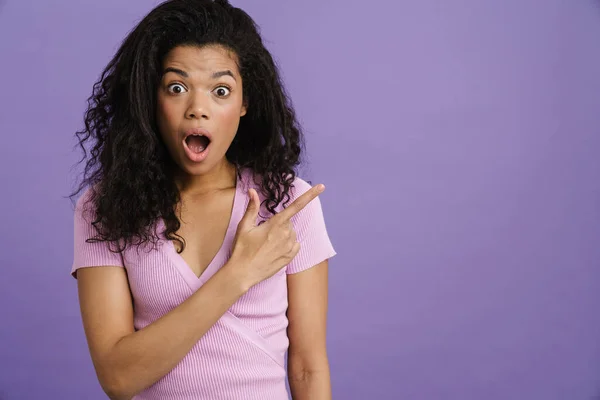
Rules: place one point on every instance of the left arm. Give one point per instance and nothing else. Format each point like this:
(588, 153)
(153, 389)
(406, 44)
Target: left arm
(308, 366)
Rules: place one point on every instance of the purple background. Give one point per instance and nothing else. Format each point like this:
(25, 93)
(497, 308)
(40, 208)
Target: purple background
(461, 148)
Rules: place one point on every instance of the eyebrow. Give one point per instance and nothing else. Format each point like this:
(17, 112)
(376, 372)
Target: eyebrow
(184, 74)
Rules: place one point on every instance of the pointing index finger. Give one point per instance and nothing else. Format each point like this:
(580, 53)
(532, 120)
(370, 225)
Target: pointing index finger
(301, 202)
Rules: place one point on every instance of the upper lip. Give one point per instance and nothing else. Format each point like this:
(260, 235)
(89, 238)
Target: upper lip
(198, 131)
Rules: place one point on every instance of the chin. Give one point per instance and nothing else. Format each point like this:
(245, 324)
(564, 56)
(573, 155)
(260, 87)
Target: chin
(199, 168)
(196, 169)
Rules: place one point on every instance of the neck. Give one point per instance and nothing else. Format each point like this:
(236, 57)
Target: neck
(222, 176)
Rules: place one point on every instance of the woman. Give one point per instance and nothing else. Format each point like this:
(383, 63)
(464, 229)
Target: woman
(201, 258)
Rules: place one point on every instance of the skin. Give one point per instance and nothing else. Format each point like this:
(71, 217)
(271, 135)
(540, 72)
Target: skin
(122, 357)
(308, 365)
(190, 97)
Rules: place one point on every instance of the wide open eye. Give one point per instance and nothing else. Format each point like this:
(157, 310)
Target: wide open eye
(177, 88)
(219, 90)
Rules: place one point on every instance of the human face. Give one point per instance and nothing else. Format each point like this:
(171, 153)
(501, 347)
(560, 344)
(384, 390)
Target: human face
(200, 93)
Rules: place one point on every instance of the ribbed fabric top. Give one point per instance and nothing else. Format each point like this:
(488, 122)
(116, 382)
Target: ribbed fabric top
(243, 355)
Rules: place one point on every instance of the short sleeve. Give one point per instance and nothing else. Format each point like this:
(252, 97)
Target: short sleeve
(311, 232)
(89, 254)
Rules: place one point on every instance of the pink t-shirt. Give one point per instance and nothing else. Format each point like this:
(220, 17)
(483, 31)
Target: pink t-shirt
(243, 355)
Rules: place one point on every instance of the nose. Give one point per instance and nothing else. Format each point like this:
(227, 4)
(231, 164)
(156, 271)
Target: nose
(198, 107)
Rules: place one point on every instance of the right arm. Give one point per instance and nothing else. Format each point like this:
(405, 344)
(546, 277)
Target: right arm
(127, 361)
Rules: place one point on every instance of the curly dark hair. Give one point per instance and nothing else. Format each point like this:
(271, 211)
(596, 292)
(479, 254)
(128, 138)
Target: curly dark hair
(129, 170)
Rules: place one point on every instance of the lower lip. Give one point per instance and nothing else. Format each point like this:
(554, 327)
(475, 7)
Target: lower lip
(193, 156)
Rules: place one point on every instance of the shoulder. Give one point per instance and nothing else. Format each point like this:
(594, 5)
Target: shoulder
(252, 180)
(84, 206)
(299, 187)
(311, 211)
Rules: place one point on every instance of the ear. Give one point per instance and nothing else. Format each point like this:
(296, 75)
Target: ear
(244, 109)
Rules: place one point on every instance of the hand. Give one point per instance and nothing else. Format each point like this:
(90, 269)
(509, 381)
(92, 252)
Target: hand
(260, 251)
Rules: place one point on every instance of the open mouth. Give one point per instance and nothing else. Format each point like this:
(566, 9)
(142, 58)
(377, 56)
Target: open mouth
(197, 143)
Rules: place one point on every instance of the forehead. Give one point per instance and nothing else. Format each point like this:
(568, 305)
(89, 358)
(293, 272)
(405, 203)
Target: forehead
(206, 59)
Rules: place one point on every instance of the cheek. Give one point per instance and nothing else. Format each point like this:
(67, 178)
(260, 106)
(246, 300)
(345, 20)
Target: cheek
(166, 116)
(163, 111)
(166, 124)
(230, 116)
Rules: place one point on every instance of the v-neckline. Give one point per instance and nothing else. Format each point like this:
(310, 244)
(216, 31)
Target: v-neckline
(194, 281)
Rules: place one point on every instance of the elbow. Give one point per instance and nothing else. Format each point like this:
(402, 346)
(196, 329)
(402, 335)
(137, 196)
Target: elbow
(115, 385)
(115, 395)
(302, 369)
(116, 391)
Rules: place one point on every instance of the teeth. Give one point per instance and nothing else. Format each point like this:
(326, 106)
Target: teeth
(193, 134)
